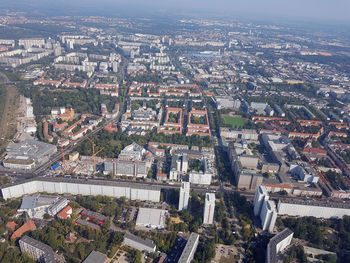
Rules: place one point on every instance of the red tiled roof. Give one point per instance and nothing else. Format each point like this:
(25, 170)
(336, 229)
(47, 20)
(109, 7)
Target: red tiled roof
(28, 226)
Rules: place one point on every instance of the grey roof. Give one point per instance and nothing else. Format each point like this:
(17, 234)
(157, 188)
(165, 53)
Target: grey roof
(31, 202)
(48, 255)
(316, 203)
(82, 181)
(87, 223)
(274, 242)
(95, 257)
(94, 215)
(146, 242)
(191, 242)
(31, 148)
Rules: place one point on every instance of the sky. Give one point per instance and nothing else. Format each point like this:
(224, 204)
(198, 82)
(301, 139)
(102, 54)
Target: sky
(313, 10)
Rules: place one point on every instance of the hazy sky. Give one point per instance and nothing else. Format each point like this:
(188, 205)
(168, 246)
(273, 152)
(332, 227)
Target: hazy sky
(336, 10)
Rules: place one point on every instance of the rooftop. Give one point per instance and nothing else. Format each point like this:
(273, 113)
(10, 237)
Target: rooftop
(95, 257)
(191, 242)
(146, 242)
(48, 254)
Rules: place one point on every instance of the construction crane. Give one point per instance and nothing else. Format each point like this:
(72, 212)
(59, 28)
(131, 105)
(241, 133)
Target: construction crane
(93, 153)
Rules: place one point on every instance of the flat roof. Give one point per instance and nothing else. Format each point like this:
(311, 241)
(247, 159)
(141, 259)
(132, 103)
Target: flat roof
(316, 203)
(275, 241)
(188, 248)
(95, 257)
(31, 202)
(151, 217)
(146, 242)
(48, 252)
(83, 181)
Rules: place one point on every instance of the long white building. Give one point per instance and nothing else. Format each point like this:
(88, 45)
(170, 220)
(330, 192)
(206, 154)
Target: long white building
(81, 187)
(209, 208)
(184, 195)
(268, 211)
(318, 209)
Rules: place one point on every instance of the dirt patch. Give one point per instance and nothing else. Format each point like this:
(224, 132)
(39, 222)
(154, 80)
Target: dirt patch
(176, 220)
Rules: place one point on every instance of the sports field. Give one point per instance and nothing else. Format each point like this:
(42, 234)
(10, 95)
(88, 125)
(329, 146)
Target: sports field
(234, 122)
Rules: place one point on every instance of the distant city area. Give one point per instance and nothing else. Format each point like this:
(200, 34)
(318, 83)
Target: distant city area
(195, 140)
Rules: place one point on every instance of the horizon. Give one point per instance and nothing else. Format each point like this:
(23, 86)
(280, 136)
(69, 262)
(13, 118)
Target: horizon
(315, 11)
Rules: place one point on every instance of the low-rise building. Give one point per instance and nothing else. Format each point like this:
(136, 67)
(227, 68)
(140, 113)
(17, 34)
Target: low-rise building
(139, 243)
(37, 206)
(151, 218)
(96, 257)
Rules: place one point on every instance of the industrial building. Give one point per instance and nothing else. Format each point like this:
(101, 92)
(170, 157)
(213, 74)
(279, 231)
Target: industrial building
(151, 218)
(96, 257)
(184, 196)
(37, 206)
(37, 250)
(27, 154)
(209, 209)
(82, 187)
(139, 243)
(190, 248)
(277, 244)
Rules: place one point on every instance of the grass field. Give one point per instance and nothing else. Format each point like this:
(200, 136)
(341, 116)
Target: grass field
(234, 122)
(2, 99)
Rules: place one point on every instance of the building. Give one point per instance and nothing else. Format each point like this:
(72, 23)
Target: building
(151, 218)
(11, 226)
(244, 166)
(96, 257)
(65, 212)
(209, 209)
(94, 216)
(295, 207)
(133, 152)
(184, 195)
(242, 134)
(37, 206)
(268, 215)
(265, 209)
(190, 249)
(227, 102)
(80, 187)
(131, 168)
(37, 250)
(194, 127)
(139, 243)
(203, 176)
(27, 226)
(88, 224)
(318, 209)
(277, 244)
(27, 154)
